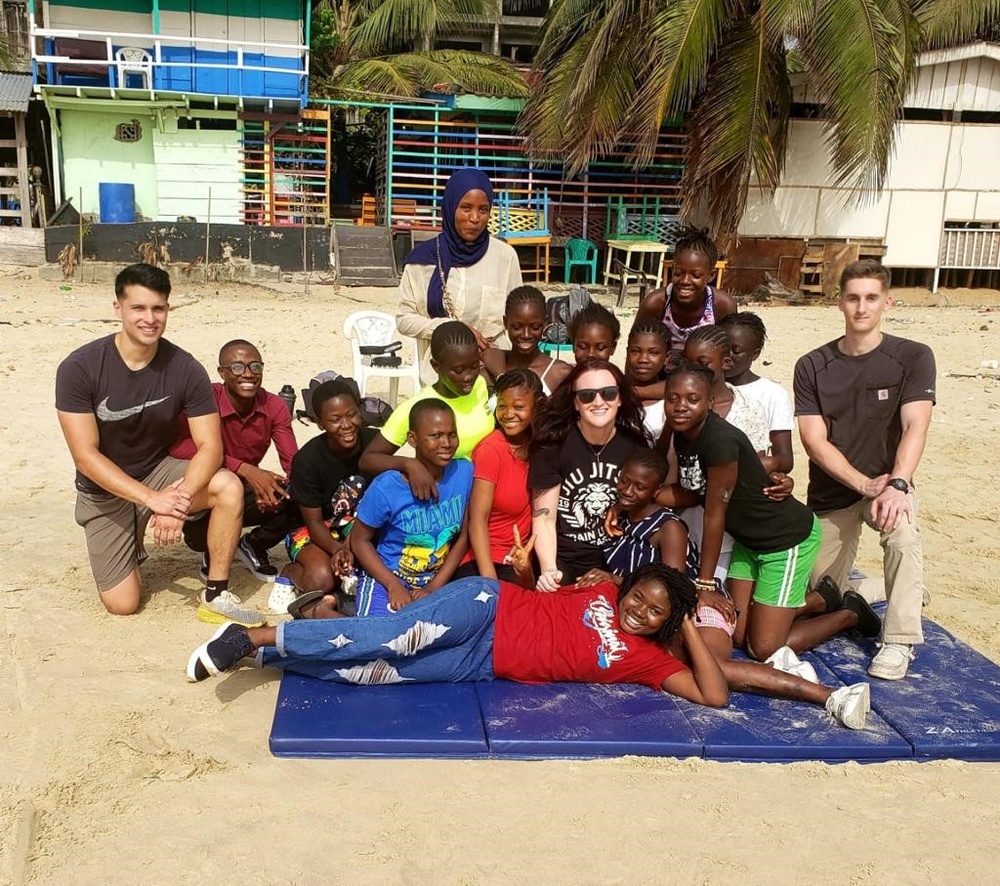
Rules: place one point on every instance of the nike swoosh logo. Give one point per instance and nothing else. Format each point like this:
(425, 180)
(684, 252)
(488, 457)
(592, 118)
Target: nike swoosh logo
(105, 414)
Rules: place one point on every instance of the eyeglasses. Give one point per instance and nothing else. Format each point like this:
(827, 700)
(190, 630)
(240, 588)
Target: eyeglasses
(587, 395)
(256, 368)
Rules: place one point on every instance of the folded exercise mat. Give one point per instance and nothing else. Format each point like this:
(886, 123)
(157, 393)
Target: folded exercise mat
(948, 706)
(754, 728)
(583, 720)
(314, 718)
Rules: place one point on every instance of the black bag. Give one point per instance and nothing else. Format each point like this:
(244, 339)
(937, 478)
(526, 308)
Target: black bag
(560, 310)
(374, 410)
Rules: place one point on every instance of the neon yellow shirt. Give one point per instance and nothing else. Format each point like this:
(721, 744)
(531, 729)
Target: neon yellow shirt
(473, 419)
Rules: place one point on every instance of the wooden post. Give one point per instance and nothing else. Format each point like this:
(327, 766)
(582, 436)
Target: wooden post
(208, 231)
(21, 143)
(79, 246)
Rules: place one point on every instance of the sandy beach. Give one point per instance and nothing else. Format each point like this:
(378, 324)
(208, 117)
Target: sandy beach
(115, 770)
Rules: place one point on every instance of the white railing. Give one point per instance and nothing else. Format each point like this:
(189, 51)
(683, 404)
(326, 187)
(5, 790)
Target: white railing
(155, 43)
(972, 248)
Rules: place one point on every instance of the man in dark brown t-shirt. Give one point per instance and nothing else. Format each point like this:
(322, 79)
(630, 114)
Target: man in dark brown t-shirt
(118, 400)
(864, 406)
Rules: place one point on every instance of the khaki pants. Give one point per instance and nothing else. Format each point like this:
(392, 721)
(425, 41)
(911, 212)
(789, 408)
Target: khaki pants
(902, 565)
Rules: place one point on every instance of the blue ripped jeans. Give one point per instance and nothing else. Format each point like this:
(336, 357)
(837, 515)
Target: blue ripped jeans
(444, 638)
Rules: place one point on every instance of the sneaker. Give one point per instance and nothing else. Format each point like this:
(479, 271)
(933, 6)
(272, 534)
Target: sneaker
(227, 607)
(282, 594)
(256, 560)
(203, 571)
(786, 661)
(221, 653)
(850, 705)
(891, 661)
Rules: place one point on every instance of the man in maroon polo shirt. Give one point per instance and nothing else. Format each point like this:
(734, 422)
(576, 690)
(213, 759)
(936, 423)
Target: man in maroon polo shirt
(252, 419)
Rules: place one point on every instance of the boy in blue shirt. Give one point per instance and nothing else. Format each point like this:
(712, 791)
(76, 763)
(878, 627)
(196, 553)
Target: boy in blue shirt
(405, 547)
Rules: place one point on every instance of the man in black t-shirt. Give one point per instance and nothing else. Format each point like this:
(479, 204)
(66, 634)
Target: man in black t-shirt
(864, 406)
(118, 400)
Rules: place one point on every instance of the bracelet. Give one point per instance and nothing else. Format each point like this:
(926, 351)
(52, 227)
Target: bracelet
(705, 584)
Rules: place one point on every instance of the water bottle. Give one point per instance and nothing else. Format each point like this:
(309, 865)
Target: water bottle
(287, 393)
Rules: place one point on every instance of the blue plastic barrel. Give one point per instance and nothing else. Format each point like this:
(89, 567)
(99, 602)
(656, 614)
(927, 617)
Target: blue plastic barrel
(117, 201)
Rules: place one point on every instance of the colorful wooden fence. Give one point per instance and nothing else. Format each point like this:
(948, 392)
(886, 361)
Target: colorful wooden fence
(423, 147)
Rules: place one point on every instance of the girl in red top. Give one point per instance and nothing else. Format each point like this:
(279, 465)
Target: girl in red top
(481, 629)
(500, 506)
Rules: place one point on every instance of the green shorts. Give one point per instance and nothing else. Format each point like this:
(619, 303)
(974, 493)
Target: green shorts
(780, 578)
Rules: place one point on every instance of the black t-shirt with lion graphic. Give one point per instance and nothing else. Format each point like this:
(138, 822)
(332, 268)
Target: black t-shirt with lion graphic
(587, 489)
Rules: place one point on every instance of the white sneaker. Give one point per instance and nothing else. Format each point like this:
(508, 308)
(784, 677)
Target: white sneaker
(785, 660)
(227, 607)
(891, 662)
(850, 705)
(283, 593)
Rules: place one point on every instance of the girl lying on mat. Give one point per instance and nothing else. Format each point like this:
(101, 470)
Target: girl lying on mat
(480, 629)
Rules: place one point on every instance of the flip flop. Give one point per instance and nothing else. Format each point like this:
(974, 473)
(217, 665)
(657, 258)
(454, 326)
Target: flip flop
(299, 603)
(869, 624)
(831, 594)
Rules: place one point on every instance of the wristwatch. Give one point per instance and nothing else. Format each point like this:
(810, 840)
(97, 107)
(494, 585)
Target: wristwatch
(900, 484)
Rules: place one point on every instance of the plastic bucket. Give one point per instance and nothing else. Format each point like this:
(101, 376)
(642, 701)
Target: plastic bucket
(117, 201)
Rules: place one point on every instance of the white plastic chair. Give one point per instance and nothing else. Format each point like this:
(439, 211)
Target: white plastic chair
(134, 60)
(374, 328)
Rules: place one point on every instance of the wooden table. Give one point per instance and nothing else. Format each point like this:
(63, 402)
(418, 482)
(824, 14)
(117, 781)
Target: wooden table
(541, 242)
(641, 249)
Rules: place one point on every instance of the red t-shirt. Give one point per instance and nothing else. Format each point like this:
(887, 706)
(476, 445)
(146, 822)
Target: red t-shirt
(572, 636)
(493, 461)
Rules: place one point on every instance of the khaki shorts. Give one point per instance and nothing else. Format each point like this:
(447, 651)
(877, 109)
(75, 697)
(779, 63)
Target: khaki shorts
(115, 527)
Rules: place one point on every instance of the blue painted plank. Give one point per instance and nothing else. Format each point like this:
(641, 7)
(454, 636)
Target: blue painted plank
(948, 706)
(581, 720)
(755, 729)
(316, 718)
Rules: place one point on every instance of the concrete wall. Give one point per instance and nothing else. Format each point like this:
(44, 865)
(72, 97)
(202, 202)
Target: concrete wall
(91, 155)
(941, 171)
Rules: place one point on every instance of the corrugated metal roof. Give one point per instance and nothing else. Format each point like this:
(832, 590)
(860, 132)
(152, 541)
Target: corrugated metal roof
(15, 90)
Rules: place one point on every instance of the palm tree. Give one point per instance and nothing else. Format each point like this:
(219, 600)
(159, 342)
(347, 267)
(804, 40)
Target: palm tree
(612, 73)
(384, 49)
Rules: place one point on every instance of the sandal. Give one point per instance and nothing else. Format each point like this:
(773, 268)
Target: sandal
(831, 594)
(299, 603)
(869, 624)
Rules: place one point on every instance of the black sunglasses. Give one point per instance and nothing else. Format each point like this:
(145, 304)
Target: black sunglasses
(587, 395)
(256, 367)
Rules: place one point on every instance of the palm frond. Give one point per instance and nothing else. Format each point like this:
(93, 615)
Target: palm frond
(740, 125)
(406, 75)
(382, 24)
(860, 60)
(953, 22)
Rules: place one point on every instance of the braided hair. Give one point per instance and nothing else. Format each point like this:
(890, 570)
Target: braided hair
(651, 326)
(716, 336)
(519, 378)
(681, 593)
(595, 313)
(697, 240)
(749, 321)
(686, 367)
(524, 295)
(650, 459)
(453, 334)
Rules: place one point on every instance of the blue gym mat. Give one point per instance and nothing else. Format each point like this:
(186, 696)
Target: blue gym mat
(948, 707)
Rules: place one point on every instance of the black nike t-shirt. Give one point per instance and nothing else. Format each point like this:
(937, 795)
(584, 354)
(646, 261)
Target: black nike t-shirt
(136, 410)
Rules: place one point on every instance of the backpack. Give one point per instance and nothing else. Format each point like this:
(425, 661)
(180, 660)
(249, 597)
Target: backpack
(560, 310)
(374, 410)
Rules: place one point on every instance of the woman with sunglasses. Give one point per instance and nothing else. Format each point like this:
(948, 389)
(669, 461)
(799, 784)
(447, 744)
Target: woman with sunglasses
(584, 433)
